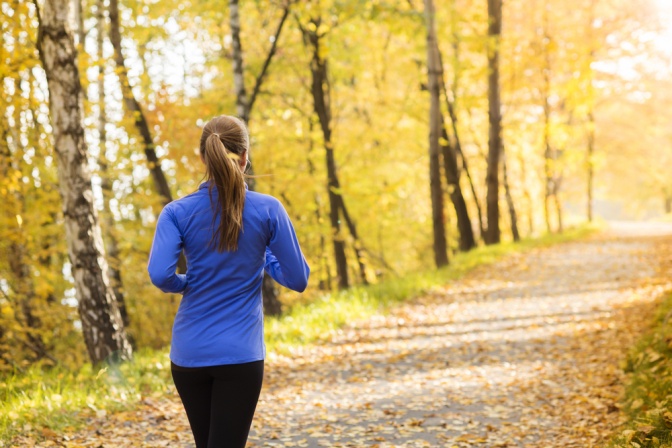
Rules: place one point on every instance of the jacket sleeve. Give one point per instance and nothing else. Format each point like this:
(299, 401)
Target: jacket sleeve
(165, 252)
(284, 260)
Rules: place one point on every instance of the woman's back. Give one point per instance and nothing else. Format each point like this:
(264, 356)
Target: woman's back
(220, 318)
(229, 236)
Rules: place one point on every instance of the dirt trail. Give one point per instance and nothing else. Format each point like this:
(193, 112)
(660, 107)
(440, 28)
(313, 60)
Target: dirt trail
(523, 353)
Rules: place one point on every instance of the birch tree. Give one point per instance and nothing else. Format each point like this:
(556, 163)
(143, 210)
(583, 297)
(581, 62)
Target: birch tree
(102, 326)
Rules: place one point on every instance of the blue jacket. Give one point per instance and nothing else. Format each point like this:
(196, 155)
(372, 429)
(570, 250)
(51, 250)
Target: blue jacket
(220, 319)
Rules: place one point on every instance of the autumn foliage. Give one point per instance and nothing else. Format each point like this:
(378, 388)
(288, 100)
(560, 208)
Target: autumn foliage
(583, 96)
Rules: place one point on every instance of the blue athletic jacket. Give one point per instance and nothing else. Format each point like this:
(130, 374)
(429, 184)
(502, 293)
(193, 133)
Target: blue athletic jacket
(220, 318)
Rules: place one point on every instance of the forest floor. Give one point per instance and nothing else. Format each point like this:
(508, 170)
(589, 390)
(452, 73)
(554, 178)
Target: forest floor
(526, 352)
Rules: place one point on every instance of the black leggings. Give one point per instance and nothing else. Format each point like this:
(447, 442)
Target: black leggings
(220, 401)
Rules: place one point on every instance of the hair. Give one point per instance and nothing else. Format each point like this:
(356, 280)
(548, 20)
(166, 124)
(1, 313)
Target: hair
(224, 142)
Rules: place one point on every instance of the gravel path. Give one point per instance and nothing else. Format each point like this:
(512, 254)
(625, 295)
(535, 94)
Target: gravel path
(523, 353)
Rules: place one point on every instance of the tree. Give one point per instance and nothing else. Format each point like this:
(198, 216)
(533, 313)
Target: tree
(272, 304)
(492, 235)
(435, 126)
(320, 92)
(132, 105)
(450, 150)
(112, 244)
(102, 326)
(553, 179)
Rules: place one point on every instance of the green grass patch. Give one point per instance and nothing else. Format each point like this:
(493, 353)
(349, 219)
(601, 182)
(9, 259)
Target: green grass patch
(57, 399)
(61, 400)
(648, 390)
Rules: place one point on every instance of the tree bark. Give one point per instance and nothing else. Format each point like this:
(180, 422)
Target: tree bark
(527, 195)
(269, 290)
(590, 165)
(324, 282)
(458, 150)
(451, 168)
(451, 105)
(440, 246)
(557, 181)
(238, 72)
(590, 149)
(79, 21)
(21, 281)
(359, 253)
(322, 107)
(452, 174)
(112, 246)
(102, 326)
(492, 235)
(509, 199)
(548, 152)
(134, 108)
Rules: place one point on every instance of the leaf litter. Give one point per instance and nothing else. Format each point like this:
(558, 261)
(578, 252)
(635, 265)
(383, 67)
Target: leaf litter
(524, 353)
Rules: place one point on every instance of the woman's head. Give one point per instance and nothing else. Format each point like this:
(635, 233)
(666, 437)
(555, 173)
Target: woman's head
(224, 146)
(232, 133)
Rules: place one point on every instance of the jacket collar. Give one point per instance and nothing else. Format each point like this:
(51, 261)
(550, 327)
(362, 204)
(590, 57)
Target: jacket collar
(207, 184)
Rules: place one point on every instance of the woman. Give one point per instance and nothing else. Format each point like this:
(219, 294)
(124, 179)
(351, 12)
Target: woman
(229, 236)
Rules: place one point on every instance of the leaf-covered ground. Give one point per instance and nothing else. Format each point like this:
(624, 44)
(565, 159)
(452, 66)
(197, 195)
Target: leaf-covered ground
(523, 353)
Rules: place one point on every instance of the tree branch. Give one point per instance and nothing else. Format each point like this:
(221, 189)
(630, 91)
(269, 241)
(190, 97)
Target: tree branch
(269, 57)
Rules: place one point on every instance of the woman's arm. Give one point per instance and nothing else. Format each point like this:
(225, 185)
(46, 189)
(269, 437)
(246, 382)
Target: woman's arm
(165, 252)
(284, 260)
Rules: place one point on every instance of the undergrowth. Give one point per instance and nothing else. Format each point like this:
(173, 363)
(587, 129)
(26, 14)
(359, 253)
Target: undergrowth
(57, 400)
(648, 391)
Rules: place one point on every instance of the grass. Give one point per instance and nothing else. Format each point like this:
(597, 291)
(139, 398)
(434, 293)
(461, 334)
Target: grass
(58, 400)
(648, 393)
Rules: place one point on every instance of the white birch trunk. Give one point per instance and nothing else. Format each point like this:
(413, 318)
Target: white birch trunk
(101, 322)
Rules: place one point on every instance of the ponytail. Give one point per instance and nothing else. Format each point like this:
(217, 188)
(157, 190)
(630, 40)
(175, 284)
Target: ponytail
(223, 172)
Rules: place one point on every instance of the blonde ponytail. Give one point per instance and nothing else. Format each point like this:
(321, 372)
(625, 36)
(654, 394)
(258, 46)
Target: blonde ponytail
(224, 174)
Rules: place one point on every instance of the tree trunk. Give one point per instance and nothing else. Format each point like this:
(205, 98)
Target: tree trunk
(21, 282)
(440, 245)
(324, 282)
(238, 74)
(112, 246)
(668, 203)
(451, 168)
(322, 107)
(509, 199)
(102, 326)
(590, 149)
(465, 166)
(492, 235)
(557, 181)
(548, 151)
(590, 165)
(451, 104)
(527, 195)
(133, 107)
(359, 253)
(79, 21)
(452, 174)
(269, 290)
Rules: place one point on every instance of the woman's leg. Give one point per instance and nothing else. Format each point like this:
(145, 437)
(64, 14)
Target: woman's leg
(235, 392)
(195, 388)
